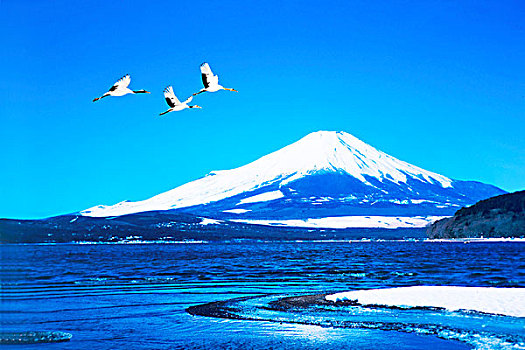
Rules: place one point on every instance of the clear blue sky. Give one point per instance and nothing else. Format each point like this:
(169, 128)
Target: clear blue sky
(440, 84)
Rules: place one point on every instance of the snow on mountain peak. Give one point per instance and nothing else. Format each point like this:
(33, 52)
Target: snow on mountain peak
(341, 152)
(317, 152)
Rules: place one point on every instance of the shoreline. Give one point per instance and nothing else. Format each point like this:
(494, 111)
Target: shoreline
(222, 308)
(476, 239)
(260, 241)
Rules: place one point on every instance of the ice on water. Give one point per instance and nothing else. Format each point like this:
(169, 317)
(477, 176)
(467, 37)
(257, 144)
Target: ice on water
(501, 301)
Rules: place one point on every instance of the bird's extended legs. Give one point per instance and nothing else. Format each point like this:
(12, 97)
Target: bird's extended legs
(98, 98)
(200, 92)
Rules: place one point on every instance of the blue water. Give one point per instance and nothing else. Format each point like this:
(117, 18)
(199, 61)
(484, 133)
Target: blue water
(134, 296)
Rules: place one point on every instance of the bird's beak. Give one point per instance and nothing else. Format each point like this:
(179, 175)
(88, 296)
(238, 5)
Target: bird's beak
(148, 92)
(197, 106)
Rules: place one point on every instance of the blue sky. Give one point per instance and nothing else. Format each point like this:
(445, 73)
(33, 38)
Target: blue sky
(439, 84)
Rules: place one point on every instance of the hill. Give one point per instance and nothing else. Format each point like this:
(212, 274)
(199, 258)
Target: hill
(500, 216)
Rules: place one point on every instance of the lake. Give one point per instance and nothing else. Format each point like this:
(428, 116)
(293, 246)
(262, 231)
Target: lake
(135, 296)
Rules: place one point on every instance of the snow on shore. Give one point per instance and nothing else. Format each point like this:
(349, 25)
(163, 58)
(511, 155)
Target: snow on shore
(501, 301)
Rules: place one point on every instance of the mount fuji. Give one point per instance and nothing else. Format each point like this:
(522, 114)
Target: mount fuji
(326, 179)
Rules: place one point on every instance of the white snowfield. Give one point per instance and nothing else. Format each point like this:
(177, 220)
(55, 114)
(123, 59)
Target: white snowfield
(501, 301)
(351, 222)
(263, 197)
(208, 221)
(316, 152)
(236, 211)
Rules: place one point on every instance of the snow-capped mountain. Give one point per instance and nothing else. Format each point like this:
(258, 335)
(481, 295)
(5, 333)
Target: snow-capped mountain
(324, 174)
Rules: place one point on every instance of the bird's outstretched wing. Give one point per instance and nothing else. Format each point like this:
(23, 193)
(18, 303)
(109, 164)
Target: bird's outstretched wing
(207, 76)
(170, 97)
(188, 100)
(122, 83)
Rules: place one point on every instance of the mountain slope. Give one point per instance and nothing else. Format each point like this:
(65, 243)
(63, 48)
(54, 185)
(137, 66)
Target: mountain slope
(323, 174)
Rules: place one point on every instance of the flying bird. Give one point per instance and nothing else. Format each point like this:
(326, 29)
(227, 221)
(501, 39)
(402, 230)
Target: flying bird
(120, 88)
(174, 103)
(210, 81)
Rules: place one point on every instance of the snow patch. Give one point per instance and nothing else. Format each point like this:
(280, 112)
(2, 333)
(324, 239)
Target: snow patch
(401, 202)
(391, 222)
(263, 197)
(501, 301)
(236, 211)
(208, 221)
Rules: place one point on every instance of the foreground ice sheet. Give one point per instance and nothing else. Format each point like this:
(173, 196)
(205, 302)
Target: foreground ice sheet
(501, 301)
(351, 222)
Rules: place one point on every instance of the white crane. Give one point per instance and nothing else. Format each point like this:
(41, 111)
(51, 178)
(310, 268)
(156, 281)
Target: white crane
(210, 81)
(120, 88)
(174, 103)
